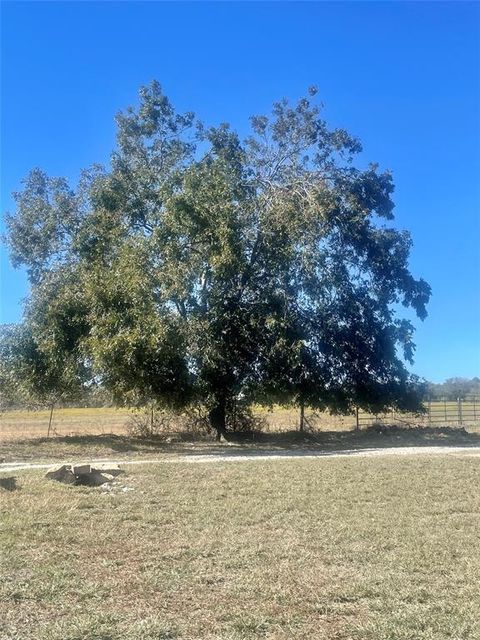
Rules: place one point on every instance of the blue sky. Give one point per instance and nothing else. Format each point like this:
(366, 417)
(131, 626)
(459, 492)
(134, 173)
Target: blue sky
(402, 76)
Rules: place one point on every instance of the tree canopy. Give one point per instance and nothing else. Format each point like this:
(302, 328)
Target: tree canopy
(201, 267)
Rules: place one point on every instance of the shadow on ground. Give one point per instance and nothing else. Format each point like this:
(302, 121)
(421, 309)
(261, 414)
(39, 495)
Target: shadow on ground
(90, 446)
(9, 484)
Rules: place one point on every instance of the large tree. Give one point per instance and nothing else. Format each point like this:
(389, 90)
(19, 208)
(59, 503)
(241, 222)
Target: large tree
(198, 266)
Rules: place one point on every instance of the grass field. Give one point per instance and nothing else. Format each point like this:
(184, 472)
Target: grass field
(99, 421)
(95, 433)
(334, 549)
(15, 425)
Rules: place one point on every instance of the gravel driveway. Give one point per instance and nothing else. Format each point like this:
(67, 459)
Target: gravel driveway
(266, 455)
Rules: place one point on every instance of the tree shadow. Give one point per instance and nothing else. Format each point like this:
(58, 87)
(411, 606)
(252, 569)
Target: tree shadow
(377, 436)
(9, 484)
(240, 443)
(104, 443)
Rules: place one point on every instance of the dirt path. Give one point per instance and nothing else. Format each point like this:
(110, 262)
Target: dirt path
(265, 455)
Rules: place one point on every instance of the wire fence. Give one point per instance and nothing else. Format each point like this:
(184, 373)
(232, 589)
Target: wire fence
(461, 412)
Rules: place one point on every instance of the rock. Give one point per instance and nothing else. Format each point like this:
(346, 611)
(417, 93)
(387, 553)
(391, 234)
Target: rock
(93, 479)
(62, 473)
(111, 469)
(10, 483)
(81, 469)
(84, 474)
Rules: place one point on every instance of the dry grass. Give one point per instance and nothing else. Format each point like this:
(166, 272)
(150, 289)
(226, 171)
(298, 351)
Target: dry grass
(99, 433)
(345, 549)
(21, 425)
(15, 425)
(171, 445)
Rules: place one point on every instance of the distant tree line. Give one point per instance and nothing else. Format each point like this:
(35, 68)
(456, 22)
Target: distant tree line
(454, 388)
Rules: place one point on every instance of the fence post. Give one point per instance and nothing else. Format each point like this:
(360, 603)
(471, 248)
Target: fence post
(429, 410)
(445, 408)
(50, 420)
(357, 419)
(459, 405)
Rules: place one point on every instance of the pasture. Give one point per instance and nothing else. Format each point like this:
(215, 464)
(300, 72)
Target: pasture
(93, 433)
(23, 424)
(346, 549)
(18, 425)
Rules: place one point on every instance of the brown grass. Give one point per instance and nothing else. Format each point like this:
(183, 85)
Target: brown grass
(333, 549)
(71, 448)
(15, 425)
(21, 425)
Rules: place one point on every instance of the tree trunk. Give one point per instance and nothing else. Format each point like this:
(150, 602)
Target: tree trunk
(302, 416)
(217, 417)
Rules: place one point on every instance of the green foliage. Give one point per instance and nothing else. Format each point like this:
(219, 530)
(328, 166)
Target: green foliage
(199, 266)
(34, 371)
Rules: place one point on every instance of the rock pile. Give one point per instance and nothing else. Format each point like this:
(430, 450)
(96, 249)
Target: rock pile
(84, 474)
